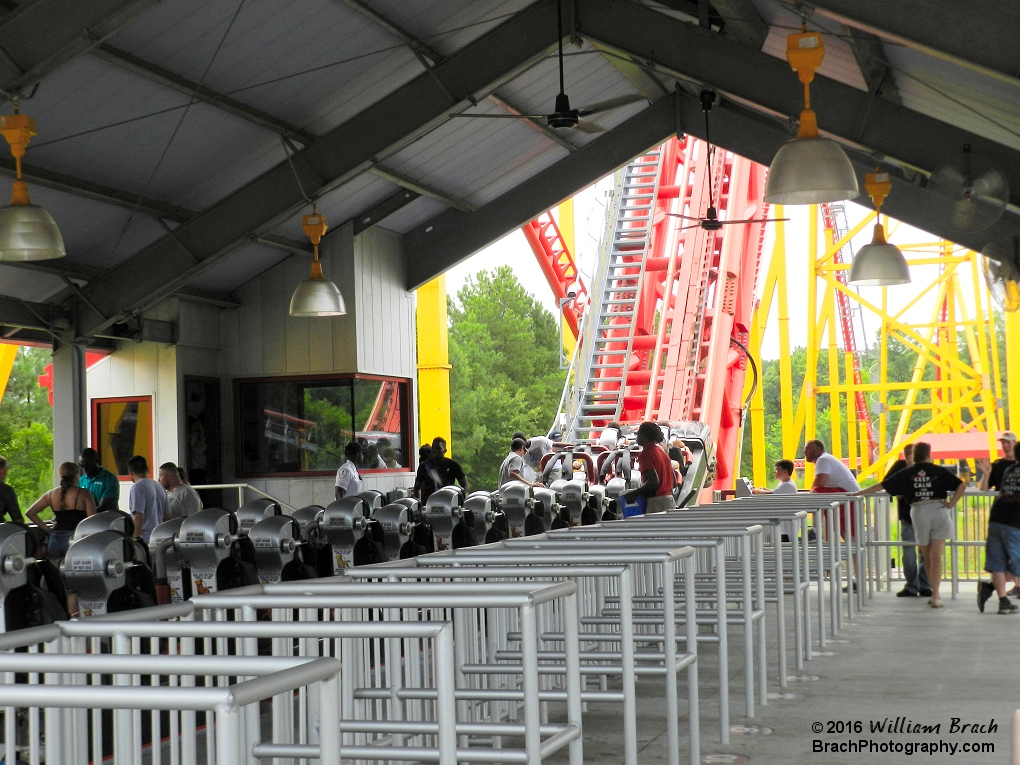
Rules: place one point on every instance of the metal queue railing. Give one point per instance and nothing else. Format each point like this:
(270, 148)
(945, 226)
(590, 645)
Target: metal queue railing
(483, 615)
(196, 656)
(748, 577)
(963, 552)
(451, 655)
(611, 611)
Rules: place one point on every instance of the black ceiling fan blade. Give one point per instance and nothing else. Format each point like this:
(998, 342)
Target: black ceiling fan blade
(586, 126)
(502, 116)
(610, 103)
(754, 220)
(685, 217)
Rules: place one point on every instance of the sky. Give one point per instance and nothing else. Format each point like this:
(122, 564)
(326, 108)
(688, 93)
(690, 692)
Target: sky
(590, 218)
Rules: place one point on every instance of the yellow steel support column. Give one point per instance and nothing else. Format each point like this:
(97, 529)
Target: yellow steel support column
(811, 367)
(433, 362)
(758, 469)
(565, 220)
(790, 435)
(835, 425)
(7, 355)
(851, 414)
(1013, 368)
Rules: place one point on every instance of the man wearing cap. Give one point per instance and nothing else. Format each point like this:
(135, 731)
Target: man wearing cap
(991, 478)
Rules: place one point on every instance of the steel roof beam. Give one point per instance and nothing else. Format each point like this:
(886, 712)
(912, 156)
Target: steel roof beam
(419, 48)
(97, 192)
(201, 93)
(977, 34)
(874, 67)
(452, 235)
(758, 137)
(875, 126)
(40, 36)
(390, 124)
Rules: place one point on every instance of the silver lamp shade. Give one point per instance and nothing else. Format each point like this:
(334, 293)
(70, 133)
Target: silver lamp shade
(28, 232)
(879, 264)
(317, 296)
(808, 171)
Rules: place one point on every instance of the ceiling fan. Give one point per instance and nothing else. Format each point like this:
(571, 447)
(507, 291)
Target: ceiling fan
(563, 117)
(1002, 272)
(973, 191)
(711, 220)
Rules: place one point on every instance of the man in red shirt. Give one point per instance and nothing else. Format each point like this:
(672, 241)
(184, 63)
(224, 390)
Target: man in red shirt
(656, 471)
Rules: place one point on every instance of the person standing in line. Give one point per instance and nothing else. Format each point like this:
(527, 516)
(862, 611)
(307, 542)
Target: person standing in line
(70, 504)
(991, 473)
(831, 476)
(348, 479)
(1002, 546)
(926, 487)
(8, 499)
(913, 568)
(610, 436)
(101, 482)
(513, 466)
(438, 472)
(830, 473)
(184, 500)
(656, 471)
(147, 501)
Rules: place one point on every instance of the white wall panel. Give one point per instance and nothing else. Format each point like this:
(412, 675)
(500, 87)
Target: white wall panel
(385, 326)
(143, 369)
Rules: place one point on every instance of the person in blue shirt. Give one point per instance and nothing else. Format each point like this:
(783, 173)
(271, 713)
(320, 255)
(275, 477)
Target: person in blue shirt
(101, 483)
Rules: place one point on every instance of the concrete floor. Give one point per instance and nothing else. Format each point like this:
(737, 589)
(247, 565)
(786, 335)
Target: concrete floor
(899, 658)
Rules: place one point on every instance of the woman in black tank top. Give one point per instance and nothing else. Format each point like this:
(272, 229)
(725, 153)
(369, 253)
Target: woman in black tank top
(70, 505)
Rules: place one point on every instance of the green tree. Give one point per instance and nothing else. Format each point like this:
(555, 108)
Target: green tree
(505, 372)
(26, 427)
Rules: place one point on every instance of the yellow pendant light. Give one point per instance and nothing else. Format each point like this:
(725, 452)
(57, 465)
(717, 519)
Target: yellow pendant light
(809, 169)
(317, 296)
(878, 264)
(27, 232)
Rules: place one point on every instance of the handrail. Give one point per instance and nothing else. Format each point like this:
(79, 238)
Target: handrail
(240, 492)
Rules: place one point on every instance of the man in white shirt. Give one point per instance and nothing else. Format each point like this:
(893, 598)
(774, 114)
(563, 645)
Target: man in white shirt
(147, 501)
(183, 499)
(348, 479)
(831, 474)
(513, 466)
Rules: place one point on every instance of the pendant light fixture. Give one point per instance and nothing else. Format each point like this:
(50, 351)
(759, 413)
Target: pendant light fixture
(878, 264)
(317, 296)
(809, 169)
(27, 232)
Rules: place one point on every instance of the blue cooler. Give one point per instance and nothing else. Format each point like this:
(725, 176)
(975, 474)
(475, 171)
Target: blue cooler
(636, 508)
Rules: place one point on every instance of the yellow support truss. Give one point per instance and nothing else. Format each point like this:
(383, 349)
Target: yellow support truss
(956, 345)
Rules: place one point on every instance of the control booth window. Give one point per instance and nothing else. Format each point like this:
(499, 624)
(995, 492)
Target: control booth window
(301, 426)
(122, 428)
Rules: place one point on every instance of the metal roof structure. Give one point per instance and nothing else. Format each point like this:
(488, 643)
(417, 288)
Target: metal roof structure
(180, 140)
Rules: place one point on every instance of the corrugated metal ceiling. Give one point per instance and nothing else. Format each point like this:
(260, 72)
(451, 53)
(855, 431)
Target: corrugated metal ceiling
(315, 64)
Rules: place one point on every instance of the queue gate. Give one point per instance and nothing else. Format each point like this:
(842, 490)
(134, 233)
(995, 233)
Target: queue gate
(444, 511)
(345, 522)
(173, 577)
(218, 556)
(22, 604)
(96, 567)
(316, 549)
(278, 550)
(396, 521)
(254, 511)
(517, 501)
